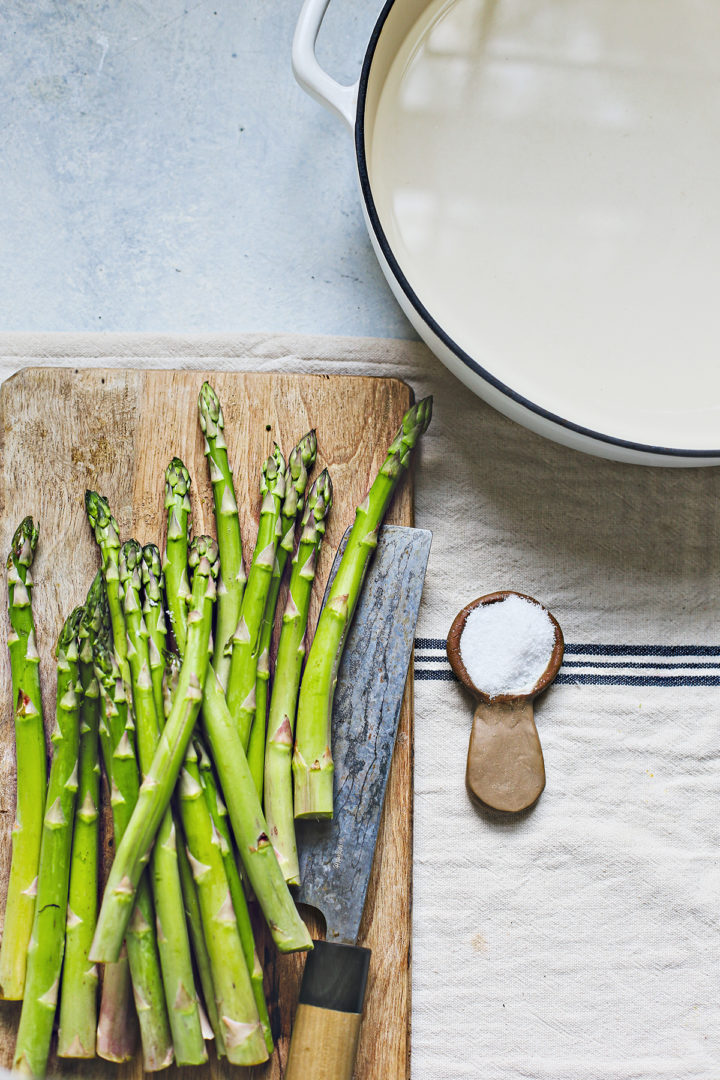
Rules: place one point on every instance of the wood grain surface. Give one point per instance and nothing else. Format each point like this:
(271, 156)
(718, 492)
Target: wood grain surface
(65, 430)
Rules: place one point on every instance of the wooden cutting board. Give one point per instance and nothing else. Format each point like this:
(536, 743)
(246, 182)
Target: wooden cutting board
(65, 430)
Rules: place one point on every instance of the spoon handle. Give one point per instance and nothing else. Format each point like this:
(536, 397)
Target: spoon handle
(505, 767)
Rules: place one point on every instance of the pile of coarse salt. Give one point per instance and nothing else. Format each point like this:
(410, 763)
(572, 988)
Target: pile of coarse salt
(506, 645)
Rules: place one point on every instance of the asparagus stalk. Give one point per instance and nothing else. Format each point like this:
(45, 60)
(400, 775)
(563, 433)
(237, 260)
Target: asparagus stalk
(243, 662)
(232, 575)
(288, 669)
(116, 1036)
(218, 813)
(192, 904)
(177, 504)
(78, 999)
(118, 746)
(117, 1023)
(248, 824)
(174, 585)
(301, 460)
(142, 942)
(153, 587)
(175, 571)
(202, 957)
(115, 1040)
(107, 536)
(31, 764)
(172, 934)
(157, 787)
(312, 760)
(45, 953)
(153, 611)
(242, 1031)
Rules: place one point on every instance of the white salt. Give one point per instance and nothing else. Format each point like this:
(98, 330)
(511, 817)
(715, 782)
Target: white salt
(506, 645)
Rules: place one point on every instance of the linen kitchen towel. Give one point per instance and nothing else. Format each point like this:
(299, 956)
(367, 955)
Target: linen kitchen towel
(580, 941)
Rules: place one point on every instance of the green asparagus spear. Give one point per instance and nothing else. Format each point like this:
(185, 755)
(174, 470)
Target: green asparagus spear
(248, 824)
(174, 585)
(147, 727)
(200, 935)
(31, 764)
(157, 787)
(107, 536)
(218, 812)
(45, 953)
(153, 611)
(301, 460)
(142, 944)
(242, 1031)
(118, 746)
(172, 934)
(232, 573)
(177, 503)
(78, 997)
(153, 582)
(117, 1023)
(175, 569)
(243, 662)
(115, 1036)
(202, 957)
(312, 760)
(288, 669)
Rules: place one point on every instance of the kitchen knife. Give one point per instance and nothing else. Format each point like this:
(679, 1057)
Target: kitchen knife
(336, 856)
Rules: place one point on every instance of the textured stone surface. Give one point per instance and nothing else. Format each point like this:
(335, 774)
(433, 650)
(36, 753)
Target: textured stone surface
(161, 170)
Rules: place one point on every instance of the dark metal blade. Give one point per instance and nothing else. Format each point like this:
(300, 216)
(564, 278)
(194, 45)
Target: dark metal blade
(336, 856)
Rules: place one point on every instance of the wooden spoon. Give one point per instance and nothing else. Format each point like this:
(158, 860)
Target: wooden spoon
(505, 767)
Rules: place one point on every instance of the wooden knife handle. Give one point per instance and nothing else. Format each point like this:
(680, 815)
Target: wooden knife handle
(327, 1022)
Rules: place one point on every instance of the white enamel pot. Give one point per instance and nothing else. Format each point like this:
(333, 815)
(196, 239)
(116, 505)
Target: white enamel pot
(660, 406)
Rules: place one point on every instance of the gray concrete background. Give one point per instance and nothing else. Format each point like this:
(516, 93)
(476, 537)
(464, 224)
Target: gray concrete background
(160, 170)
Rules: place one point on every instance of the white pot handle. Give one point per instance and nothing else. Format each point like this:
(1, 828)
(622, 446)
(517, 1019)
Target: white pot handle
(314, 79)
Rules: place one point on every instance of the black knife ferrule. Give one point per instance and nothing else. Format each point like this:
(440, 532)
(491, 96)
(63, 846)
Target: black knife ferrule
(335, 977)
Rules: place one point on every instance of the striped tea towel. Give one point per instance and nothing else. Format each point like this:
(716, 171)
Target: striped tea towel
(580, 941)
(597, 664)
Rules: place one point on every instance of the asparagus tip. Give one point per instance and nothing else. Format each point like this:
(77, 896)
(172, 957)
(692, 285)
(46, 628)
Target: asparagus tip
(24, 543)
(204, 547)
(70, 630)
(319, 501)
(177, 483)
(211, 417)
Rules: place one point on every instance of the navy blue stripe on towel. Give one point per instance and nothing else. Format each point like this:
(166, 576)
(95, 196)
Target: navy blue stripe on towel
(621, 665)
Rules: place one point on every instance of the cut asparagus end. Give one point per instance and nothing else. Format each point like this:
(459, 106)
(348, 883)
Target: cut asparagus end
(117, 1023)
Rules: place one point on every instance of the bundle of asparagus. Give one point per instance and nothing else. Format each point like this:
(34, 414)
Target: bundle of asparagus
(167, 670)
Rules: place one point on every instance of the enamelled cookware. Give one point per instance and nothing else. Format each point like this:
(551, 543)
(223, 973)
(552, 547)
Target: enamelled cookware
(539, 180)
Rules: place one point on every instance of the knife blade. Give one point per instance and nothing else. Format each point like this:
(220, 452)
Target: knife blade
(336, 855)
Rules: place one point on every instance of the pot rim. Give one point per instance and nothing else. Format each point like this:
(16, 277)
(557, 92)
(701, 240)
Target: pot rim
(428, 318)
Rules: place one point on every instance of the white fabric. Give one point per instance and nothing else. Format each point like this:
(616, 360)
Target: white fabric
(580, 941)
